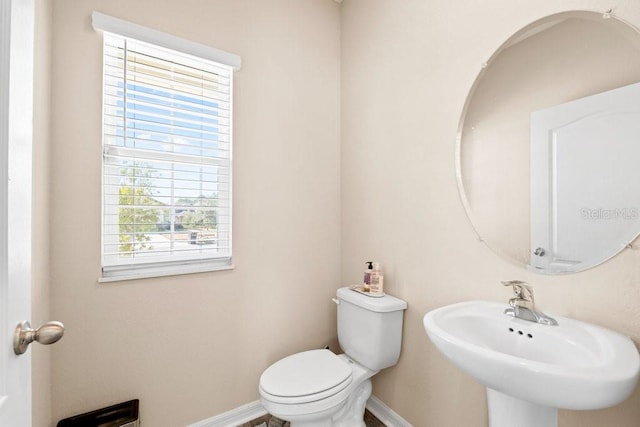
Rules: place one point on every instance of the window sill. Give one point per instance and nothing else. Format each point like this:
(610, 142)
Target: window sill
(160, 271)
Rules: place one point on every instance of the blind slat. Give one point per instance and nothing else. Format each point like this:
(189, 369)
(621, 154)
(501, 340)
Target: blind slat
(111, 133)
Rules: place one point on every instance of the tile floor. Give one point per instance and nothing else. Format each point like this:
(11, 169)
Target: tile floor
(370, 420)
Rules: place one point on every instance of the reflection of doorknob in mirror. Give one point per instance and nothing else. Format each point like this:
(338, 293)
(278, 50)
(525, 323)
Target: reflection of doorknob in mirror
(46, 334)
(539, 252)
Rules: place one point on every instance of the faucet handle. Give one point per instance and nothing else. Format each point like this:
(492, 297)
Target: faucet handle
(521, 290)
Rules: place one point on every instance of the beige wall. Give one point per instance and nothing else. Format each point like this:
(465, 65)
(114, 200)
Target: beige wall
(191, 347)
(40, 289)
(194, 346)
(406, 69)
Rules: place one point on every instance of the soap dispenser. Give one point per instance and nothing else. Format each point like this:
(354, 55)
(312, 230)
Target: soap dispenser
(367, 276)
(376, 287)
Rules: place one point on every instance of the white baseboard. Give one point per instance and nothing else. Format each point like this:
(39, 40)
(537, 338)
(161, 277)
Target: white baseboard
(234, 417)
(385, 414)
(253, 410)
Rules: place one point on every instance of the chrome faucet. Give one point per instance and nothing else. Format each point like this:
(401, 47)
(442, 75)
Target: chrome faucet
(522, 304)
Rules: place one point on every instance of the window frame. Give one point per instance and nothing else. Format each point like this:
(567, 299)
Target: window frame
(174, 265)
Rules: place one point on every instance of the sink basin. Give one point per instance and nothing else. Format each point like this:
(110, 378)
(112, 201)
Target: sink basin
(574, 365)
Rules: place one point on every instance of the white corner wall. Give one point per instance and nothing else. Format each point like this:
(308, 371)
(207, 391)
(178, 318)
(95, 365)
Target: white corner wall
(41, 211)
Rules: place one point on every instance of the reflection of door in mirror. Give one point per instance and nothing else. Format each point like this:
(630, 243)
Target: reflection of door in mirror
(585, 192)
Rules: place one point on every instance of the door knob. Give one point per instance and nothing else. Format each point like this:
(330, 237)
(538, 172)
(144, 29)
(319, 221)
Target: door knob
(46, 334)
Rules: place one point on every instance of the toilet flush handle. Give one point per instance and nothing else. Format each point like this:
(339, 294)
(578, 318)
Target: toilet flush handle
(336, 300)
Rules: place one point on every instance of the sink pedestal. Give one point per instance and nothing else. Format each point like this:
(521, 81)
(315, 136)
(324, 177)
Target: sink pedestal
(508, 411)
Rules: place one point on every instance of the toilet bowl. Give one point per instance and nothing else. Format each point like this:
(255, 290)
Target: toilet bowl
(318, 388)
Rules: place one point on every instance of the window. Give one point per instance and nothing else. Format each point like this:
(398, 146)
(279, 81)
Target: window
(167, 145)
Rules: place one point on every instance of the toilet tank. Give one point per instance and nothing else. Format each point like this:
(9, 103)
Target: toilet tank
(370, 328)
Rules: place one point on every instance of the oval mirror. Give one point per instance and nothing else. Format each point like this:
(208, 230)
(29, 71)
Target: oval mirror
(549, 144)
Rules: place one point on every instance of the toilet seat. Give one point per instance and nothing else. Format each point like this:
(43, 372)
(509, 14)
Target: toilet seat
(305, 377)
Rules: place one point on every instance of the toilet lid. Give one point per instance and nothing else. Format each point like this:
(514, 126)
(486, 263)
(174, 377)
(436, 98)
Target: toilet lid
(306, 374)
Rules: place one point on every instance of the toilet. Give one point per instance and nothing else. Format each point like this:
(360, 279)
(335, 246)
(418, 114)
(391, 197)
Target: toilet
(318, 388)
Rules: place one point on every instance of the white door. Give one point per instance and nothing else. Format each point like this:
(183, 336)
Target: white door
(16, 105)
(585, 191)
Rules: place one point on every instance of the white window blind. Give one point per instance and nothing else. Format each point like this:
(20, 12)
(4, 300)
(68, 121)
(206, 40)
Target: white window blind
(166, 160)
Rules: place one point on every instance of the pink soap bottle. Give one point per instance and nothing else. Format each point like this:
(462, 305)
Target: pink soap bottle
(367, 276)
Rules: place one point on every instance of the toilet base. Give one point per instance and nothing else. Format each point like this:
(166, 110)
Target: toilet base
(351, 414)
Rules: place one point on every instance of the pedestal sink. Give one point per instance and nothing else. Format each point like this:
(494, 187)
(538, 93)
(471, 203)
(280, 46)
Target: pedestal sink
(530, 370)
